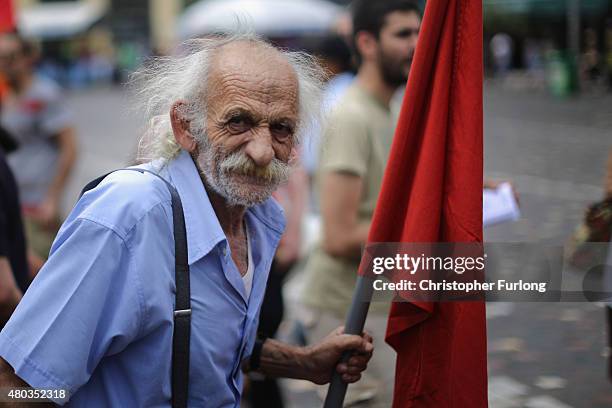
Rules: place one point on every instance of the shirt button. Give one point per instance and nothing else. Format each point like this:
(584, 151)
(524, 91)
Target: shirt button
(224, 250)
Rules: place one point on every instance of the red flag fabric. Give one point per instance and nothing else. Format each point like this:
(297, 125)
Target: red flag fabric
(7, 17)
(432, 192)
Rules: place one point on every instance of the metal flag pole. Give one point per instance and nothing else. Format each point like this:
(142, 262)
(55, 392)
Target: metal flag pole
(355, 321)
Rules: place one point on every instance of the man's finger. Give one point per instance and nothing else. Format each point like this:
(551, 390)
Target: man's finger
(354, 366)
(355, 343)
(355, 370)
(348, 378)
(367, 347)
(366, 354)
(358, 361)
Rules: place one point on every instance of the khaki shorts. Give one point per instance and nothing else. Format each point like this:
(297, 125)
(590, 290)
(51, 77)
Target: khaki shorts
(39, 239)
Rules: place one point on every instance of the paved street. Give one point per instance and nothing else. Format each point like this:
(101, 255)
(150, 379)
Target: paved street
(107, 136)
(540, 355)
(547, 354)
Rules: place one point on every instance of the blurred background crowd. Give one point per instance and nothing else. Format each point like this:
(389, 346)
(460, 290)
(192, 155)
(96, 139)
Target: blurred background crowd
(565, 45)
(548, 121)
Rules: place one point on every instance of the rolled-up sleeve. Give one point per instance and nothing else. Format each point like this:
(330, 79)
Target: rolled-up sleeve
(84, 304)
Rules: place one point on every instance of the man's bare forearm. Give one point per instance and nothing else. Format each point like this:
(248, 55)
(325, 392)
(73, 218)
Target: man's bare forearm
(347, 243)
(8, 380)
(283, 360)
(10, 294)
(8, 305)
(344, 234)
(357, 240)
(66, 161)
(317, 362)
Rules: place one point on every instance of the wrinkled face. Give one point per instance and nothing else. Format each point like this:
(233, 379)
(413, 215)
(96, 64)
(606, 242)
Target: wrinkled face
(396, 44)
(252, 114)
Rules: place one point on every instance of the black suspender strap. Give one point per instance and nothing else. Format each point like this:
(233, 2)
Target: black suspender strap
(182, 308)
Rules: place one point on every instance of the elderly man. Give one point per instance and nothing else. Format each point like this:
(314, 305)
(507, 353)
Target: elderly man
(98, 319)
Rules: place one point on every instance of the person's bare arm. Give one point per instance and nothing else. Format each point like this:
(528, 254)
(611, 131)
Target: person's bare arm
(49, 208)
(317, 362)
(66, 141)
(35, 263)
(10, 294)
(8, 379)
(343, 234)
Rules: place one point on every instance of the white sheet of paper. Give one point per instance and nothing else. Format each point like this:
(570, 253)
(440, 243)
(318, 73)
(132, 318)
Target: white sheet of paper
(499, 205)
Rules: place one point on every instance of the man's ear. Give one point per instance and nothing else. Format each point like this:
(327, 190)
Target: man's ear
(366, 44)
(181, 127)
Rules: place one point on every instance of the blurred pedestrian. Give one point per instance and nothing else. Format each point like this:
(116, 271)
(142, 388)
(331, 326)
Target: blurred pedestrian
(13, 262)
(609, 54)
(591, 59)
(354, 153)
(608, 270)
(334, 54)
(502, 49)
(35, 113)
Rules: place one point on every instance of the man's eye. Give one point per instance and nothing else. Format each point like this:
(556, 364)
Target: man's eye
(239, 124)
(281, 131)
(408, 32)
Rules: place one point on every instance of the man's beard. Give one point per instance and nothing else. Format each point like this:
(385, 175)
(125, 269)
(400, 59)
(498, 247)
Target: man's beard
(237, 178)
(393, 71)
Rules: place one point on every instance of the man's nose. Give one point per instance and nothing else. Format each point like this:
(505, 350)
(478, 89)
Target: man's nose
(259, 149)
(414, 39)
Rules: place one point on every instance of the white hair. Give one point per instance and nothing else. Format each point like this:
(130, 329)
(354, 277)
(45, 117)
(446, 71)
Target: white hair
(162, 81)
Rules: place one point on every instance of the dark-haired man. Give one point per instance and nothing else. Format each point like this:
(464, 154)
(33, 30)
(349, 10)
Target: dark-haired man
(354, 153)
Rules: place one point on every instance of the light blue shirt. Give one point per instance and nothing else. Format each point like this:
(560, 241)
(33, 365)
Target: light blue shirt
(97, 320)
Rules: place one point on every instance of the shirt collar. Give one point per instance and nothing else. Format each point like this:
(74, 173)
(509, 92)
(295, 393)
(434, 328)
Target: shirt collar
(203, 229)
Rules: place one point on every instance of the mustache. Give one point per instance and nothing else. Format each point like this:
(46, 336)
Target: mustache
(239, 163)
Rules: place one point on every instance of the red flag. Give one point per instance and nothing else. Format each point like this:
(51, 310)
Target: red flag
(432, 192)
(7, 17)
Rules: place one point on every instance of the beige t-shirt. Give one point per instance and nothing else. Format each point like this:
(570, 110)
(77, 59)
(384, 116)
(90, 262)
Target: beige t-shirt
(357, 139)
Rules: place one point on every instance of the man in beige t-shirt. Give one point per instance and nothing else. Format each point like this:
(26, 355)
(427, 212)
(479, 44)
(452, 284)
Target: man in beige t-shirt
(353, 157)
(356, 146)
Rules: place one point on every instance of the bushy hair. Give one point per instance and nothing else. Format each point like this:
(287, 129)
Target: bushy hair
(162, 81)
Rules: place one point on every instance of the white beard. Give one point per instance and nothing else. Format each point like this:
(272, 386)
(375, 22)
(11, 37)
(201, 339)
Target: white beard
(236, 178)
